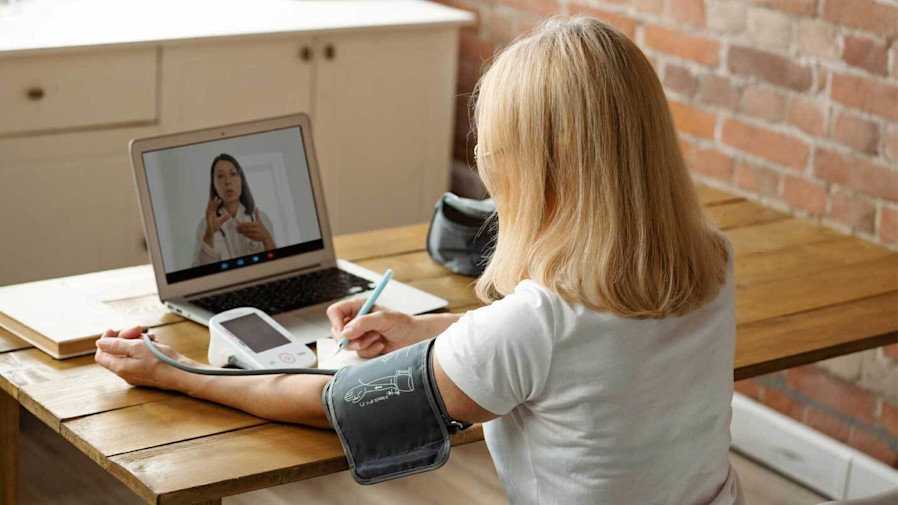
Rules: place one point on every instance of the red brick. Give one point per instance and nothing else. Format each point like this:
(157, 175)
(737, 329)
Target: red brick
(800, 7)
(540, 7)
(719, 91)
(873, 446)
(769, 28)
(840, 396)
(857, 133)
(818, 39)
(749, 388)
(687, 11)
(853, 211)
(714, 163)
(764, 102)
(827, 424)
(769, 67)
(759, 179)
(803, 194)
(807, 115)
(680, 79)
(890, 351)
(891, 141)
(649, 6)
(863, 14)
(867, 54)
(622, 22)
(888, 225)
(783, 149)
(691, 120)
(474, 49)
(726, 17)
(856, 173)
(889, 417)
(678, 43)
(783, 403)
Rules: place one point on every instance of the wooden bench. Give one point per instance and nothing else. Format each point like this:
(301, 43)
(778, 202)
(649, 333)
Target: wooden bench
(804, 293)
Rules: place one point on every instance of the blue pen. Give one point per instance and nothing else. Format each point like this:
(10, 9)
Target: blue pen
(369, 303)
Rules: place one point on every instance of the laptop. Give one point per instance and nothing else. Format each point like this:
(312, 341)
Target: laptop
(235, 216)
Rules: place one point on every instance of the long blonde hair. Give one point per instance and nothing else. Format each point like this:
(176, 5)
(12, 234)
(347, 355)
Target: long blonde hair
(576, 145)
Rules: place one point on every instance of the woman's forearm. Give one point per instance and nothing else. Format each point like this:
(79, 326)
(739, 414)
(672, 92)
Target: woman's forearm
(286, 398)
(434, 324)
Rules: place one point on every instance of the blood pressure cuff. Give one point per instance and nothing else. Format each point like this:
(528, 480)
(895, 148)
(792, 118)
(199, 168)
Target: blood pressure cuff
(389, 415)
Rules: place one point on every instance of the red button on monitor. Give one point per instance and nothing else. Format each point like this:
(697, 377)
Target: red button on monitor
(287, 358)
(270, 255)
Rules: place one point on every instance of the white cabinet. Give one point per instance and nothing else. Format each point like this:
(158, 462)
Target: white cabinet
(377, 78)
(382, 142)
(213, 84)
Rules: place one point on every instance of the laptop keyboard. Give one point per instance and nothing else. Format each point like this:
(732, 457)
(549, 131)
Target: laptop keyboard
(284, 295)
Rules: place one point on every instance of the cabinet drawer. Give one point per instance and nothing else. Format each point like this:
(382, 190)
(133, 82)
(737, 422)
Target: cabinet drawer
(39, 93)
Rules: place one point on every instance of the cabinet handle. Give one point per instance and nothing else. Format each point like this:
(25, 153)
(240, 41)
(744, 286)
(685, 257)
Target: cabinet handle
(305, 54)
(36, 93)
(329, 52)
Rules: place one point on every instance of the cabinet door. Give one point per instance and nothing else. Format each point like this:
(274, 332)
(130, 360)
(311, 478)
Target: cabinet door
(70, 205)
(383, 123)
(214, 84)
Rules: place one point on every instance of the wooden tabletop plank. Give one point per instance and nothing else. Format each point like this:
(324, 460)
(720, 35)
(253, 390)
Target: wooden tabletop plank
(372, 244)
(741, 213)
(407, 267)
(778, 235)
(710, 196)
(56, 390)
(229, 463)
(458, 290)
(816, 290)
(238, 461)
(783, 342)
(32, 366)
(805, 259)
(162, 422)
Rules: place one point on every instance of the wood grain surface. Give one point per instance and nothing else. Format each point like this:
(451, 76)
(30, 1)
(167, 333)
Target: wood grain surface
(804, 293)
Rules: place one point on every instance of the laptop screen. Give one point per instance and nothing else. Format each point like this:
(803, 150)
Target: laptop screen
(232, 203)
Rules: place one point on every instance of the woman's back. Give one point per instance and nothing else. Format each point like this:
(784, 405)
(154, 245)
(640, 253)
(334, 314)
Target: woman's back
(612, 410)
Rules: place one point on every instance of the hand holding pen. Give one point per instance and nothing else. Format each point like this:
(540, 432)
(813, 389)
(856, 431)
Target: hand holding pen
(366, 307)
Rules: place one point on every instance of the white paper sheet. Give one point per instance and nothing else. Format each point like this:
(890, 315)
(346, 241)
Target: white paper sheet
(327, 359)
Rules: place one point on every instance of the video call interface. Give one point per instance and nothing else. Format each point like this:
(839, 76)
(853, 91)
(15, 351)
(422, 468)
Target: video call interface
(227, 204)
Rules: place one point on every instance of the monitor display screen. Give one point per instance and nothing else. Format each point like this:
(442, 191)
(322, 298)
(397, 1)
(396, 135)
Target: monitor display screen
(232, 203)
(255, 332)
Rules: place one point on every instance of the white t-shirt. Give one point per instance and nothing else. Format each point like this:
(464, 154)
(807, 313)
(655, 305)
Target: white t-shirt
(599, 409)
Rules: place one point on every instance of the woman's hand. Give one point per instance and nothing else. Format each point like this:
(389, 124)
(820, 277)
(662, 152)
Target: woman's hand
(378, 332)
(256, 231)
(128, 356)
(213, 222)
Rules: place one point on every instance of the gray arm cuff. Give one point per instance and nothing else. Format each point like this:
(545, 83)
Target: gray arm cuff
(389, 415)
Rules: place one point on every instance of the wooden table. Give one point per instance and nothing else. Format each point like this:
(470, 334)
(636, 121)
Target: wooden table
(804, 293)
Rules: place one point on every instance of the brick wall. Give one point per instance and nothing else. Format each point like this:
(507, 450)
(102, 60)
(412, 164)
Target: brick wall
(793, 103)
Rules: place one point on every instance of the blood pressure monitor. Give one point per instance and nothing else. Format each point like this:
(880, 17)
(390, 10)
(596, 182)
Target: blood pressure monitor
(251, 339)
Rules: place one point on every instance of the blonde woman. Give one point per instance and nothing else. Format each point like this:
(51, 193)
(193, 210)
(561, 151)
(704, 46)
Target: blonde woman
(602, 365)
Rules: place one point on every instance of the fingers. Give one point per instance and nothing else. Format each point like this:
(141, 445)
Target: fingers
(256, 213)
(339, 313)
(380, 322)
(373, 351)
(224, 219)
(363, 342)
(118, 346)
(131, 333)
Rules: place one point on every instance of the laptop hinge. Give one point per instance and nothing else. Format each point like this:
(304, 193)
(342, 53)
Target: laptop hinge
(254, 281)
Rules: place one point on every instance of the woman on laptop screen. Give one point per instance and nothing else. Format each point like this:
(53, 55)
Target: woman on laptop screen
(233, 226)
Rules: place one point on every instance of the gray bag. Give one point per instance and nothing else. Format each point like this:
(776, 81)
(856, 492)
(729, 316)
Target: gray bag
(461, 233)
